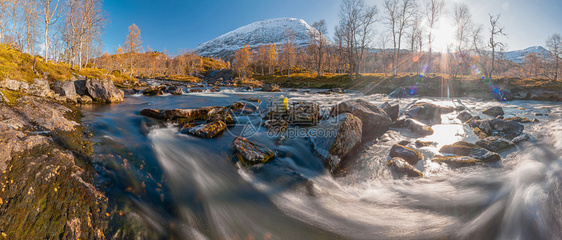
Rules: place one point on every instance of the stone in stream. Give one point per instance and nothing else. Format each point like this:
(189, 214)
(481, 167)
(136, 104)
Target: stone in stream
(271, 88)
(400, 92)
(104, 91)
(304, 113)
(427, 112)
(521, 138)
(494, 111)
(392, 111)
(276, 125)
(375, 121)
(418, 127)
(519, 119)
(479, 133)
(335, 138)
(207, 130)
(420, 144)
(188, 115)
(457, 161)
(401, 167)
(154, 90)
(464, 116)
(411, 155)
(225, 117)
(507, 129)
(495, 144)
(463, 148)
(249, 153)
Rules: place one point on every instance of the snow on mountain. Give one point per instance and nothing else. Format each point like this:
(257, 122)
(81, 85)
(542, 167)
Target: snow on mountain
(255, 34)
(519, 55)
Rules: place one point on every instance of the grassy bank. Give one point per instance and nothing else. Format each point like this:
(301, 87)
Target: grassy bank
(24, 67)
(434, 85)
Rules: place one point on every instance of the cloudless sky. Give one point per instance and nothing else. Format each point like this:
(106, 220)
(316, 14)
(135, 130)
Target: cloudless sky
(177, 24)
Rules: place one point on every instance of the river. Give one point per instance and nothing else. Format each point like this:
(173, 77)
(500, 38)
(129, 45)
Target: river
(191, 188)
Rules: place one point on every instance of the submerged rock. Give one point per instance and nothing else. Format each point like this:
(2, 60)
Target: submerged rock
(420, 144)
(392, 111)
(249, 153)
(104, 91)
(418, 127)
(463, 148)
(276, 125)
(494, 111)
(207, 130)
(411, 155)
(427, 112)
(457, 161)
(335, 138)
(375, 121)
(495, 144)
(400, 166)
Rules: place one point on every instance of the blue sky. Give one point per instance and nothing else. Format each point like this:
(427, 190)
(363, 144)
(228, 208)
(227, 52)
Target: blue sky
(176, 24)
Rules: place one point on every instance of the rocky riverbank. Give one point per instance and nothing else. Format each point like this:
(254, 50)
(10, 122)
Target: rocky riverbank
(49, 188)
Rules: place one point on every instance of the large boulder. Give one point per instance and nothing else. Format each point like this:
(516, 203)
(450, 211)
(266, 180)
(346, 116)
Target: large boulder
(463, 148)
(411, 155)
(400, 92)
(249, 153)
(392, 111)
(80, 86)
(14, 85)
(494, 111)
(417, 127)
(506, 129)
(207, 130)
(375, 121)
(495, 144)
(401, 167)
(304, 113)
(104, 91)
(427, 112)
(336, 137)
(40, 88)
(66, 89)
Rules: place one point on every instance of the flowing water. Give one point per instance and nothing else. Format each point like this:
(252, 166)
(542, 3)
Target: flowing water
(192, 188)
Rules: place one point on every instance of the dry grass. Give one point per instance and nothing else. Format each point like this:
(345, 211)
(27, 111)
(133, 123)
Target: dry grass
(24, 67)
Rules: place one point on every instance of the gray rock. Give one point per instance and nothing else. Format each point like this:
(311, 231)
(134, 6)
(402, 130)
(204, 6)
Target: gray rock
(187, 114)
(375, 121)
(85, 100)
(249, 153)
(494, 111)
(399, 93)
(40, 88)
(495, 144)
(14, 85)
(401, 167)
(464, 116)
(392, 111)
(418, 127)
(80, 86)
(336, 138)
(411, 155)
(507, 129)
(463, 148)
(66, 89)
(104, 91)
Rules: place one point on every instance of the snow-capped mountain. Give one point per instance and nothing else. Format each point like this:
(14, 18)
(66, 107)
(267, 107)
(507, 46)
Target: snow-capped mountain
(255, 34)
(519, 55)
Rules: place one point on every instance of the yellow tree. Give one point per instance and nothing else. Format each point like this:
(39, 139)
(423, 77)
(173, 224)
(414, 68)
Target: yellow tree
(242, 61)
(271, 57)
(288, 55)
(133, 45)
(261, 57)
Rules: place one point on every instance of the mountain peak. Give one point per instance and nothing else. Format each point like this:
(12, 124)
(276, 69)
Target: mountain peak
(255, 34)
